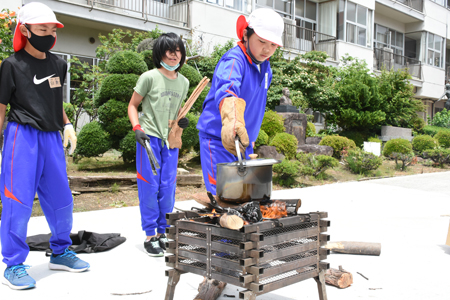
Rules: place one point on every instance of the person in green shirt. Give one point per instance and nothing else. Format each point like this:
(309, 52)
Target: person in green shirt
(161, 92)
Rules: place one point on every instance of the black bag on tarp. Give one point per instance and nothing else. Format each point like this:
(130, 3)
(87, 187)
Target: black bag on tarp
(82, 242)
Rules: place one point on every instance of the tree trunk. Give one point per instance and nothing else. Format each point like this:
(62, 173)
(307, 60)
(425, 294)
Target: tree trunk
(210, 289)
(339, 278)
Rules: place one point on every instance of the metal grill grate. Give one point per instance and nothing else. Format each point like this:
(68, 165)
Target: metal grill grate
(232, 273)
(288, 259)
(221, 239)
(288, 244)
(192, 233)
(191, 262)
(296, 227)
(288, 274)
(193, 248)
(226, 255)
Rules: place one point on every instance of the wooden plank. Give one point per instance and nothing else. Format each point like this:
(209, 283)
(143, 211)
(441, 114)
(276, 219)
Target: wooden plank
(191, 179)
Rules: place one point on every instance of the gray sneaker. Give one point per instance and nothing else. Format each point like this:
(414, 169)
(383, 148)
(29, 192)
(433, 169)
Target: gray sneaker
(153, 248)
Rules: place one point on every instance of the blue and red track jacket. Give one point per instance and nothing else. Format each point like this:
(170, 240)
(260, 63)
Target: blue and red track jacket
(236, 76)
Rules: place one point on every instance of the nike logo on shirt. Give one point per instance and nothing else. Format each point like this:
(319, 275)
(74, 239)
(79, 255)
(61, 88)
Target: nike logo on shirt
(39, 81)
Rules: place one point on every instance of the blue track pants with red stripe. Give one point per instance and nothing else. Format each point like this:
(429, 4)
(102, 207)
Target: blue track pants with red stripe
(212, 153)
(156, 192)
(33, 161)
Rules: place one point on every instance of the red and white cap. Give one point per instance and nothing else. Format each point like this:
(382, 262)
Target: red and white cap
(266, 23)
(33, 13)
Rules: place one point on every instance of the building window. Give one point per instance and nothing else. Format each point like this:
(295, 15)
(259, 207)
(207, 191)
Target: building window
(435, 50)
(388, 38)
(355, 23)
(305, 16)
(240, 5)
(283, 7)
(440, 2)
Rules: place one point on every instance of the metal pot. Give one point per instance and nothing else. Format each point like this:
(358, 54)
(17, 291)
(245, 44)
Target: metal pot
(245, 180)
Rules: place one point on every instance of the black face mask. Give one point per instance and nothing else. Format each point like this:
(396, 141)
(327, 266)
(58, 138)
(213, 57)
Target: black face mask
(41, 43)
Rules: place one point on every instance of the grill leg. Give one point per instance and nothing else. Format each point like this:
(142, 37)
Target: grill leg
(320, 280)
(174, 277)
(247, 295)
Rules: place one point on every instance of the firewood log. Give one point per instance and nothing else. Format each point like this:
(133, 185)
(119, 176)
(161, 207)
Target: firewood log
(210, 289)
(231, 221)
(355, 248)
(339, 278)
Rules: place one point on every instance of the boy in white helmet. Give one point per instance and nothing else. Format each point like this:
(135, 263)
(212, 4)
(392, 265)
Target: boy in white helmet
(236, 102)
(33, 156)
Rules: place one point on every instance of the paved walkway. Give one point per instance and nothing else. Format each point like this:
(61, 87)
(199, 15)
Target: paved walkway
(404, 214)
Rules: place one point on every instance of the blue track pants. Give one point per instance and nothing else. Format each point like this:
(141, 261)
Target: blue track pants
(156, 192)
(33, 160)
(212, 153)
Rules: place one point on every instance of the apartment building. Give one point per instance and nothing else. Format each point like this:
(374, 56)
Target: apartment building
(395, 34)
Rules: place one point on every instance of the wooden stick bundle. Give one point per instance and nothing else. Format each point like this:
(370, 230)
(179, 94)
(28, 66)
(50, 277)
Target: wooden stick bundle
(176, 132)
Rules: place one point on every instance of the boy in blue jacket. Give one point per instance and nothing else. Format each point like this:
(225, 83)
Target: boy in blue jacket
(236, 102)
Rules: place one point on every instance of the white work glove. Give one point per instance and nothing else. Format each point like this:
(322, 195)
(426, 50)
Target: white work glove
(69, 134)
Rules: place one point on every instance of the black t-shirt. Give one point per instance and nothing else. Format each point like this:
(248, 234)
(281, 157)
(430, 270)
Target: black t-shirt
(34, 89)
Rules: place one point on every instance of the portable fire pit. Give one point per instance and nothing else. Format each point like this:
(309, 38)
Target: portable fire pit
(260, 257)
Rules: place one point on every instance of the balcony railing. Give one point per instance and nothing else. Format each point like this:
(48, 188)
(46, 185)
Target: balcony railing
(303, 39)
(415, 4)
(385, 59)
(174, 10)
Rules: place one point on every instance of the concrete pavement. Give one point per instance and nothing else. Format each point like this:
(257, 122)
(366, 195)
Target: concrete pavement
(404, 214)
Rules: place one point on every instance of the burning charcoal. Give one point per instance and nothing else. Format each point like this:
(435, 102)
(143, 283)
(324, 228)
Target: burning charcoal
(274, 210)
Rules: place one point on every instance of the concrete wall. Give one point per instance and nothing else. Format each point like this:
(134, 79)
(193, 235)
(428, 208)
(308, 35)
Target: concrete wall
(11, 4)
(435, 20)
(433, 85)
(389, 22)
(354, 50)
(367, 3)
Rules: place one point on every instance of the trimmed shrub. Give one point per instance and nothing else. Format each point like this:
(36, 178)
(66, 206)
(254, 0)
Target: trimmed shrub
(338, 143)
(114, 118)
(262, 138)
(116, 86)
(272, 123)
(92, 140)
(443, 138)
(190, 134)
(439, 156)
(406, 159)
(398, 146)
(421, 143)
(315, 165)
(285, 143)
(147, 55)
(362, 162)
(417, 124)
(433, 130)
(128, 147)
(126, 62)
(198, 104)
(70, 111)
(374, 140)
(442, 119)
(310, 129)
(286, 172)
(357, 136)
(192, 75)
(145, 45)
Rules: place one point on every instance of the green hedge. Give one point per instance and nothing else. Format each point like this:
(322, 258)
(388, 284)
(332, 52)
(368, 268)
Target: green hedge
(190, 134)
(92, 140)
(443, 138)
(338, 143)
(272, 123)
(397, 146)
(262, 138)
(126, 62)
(114, 118)
(191, 74)
(128, 147)
(147, 55)
(433, 130)
(116, 86)
(286, 172)
(362, 162)
(285, 143)
(70, 111)
(439, 156)
(421, 143)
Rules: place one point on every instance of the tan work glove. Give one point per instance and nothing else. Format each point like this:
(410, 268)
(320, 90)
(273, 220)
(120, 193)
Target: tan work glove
(69, 134)
(232, 113)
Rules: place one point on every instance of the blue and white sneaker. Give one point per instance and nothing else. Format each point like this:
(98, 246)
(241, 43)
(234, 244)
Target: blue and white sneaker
(68, 261)
(17, 278)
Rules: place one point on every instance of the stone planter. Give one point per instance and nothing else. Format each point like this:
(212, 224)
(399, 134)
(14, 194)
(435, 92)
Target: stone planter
(391, 132)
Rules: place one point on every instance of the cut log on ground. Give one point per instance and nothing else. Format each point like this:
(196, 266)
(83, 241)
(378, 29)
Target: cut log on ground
(210, 289)
(361, 248)
(339, 278)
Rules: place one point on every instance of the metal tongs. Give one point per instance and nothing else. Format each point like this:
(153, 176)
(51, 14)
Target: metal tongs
(151, 157)
(237, 142)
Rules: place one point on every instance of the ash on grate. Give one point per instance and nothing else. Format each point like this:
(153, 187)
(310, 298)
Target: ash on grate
(191, 248)
(191, 262)
(192, 233)
(296, 227)
(281, 261)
